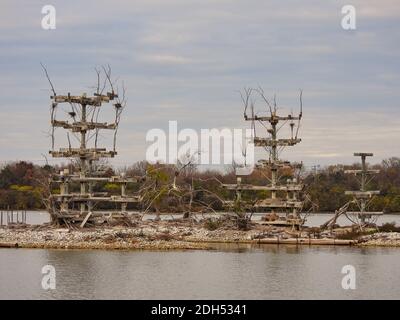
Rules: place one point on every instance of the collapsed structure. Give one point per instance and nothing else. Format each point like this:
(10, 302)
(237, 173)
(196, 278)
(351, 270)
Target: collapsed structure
(79, 198)
(360, 198)
(283, 201)
(363, 197)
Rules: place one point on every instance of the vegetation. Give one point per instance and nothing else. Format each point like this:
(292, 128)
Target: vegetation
(212, 224)
(327, 186)
(21, 185)
(173, 188)
(389, 227)
(355, 234)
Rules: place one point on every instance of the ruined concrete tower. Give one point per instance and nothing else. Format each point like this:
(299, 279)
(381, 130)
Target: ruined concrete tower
(363, 196)
(79, 198)
(283, 201)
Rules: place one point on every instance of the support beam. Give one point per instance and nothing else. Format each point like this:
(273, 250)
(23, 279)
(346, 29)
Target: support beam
(86, 219)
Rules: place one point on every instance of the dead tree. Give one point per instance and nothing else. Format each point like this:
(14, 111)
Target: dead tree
(176, 184)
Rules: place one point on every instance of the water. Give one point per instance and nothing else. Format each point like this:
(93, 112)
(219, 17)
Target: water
(229, 272)
(317, 219)
(313, 220)
(32, 217)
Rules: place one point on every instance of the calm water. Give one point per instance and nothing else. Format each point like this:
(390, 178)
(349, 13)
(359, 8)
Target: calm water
(32, 217)
(316, 219)
(229, 272)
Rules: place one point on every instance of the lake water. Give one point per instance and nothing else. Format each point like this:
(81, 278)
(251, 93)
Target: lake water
(228, 272)
(315, 219)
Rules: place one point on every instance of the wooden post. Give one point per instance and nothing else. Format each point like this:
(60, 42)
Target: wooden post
(123, 194)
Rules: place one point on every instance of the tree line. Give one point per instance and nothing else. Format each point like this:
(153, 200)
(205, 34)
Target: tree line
(23, 186)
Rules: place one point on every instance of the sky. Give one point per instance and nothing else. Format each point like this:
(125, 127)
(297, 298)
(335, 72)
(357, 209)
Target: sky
(186, 60)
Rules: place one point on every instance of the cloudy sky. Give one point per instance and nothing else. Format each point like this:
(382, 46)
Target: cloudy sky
(185, 60)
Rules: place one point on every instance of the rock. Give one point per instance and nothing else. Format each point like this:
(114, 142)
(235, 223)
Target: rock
(62, 230)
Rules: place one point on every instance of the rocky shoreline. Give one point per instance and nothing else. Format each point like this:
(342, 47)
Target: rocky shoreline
(150, 235)
(382, 239)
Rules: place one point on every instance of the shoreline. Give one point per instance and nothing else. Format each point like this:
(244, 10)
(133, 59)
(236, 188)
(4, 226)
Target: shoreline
(175, 245)
(43, 210)
(177, 235)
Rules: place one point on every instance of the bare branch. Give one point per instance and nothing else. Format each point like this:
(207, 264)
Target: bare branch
(300, 114)
(48, 78)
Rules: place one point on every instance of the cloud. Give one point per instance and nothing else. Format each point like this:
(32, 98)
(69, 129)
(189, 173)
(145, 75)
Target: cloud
(166, 59)
(185, 60)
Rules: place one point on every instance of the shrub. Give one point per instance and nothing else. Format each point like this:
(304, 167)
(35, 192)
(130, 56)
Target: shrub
(212, 224)
(354, 234)
(164, 237)
(389, 227)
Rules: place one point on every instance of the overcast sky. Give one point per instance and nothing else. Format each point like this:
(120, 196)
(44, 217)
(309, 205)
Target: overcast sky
(186, 60)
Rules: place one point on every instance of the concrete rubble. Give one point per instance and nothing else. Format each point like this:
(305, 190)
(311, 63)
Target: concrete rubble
(170, 235)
